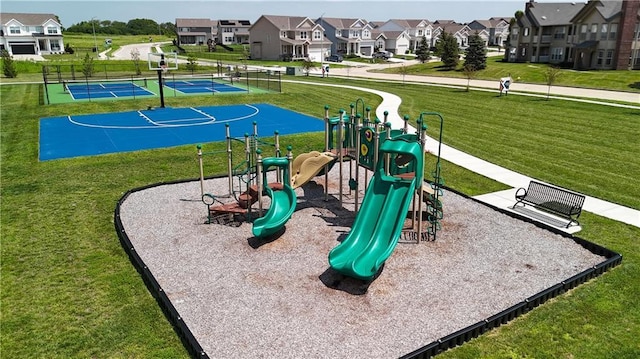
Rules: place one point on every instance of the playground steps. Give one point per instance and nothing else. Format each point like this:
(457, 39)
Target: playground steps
(245, 200)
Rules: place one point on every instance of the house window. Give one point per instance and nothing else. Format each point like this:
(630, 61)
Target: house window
(52, 30)
(558, 33)
(613, 32)
(525, 32)
(609, 57)
(14, 29)
(603, 31)
(55, 45)
(557, 54)
(593, 32)
(583, 32)
(514, 34)
(600, 57)
(40, 29)
(427, 32)
(317, 35)
(366, 34)
(523, 53)
(420, 32)
(303, 35)
(283, 34)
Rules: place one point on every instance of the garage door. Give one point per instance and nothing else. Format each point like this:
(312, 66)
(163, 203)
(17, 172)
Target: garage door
(23, 49)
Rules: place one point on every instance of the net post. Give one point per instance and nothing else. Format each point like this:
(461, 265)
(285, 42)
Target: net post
(160, 84)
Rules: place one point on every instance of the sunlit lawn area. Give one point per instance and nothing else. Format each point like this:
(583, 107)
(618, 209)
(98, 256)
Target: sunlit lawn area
(69, 290)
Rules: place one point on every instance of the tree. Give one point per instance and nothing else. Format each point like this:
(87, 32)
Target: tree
(87, 65)
(8, 66)
(470, 72)
(135, 57)
(403, 71)
(192, 64)
(422, 52)
(551, 74)
(307, 65)
(476, 53)
(448, 50)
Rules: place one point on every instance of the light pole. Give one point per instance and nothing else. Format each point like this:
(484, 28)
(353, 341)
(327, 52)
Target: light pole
(95, 42)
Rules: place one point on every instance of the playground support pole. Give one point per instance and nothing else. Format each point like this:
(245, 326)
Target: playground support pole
(352, 121)
(357, 156)
(199, 147)
(327, 128)
(276, 139)
(259, 179)
(229, 160)
(248, 157)
(340, 156)
(290, 164)
(421, 132)
(387, 157)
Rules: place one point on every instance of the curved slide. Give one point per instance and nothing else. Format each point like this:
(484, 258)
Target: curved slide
(283, 203)
(379, 222)
(308, 165)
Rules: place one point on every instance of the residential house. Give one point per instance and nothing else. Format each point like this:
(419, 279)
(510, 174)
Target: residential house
(275, 37)
(31, 34)
(545, 30)
(349, 36)
(396, 42)
(196, 31)
(416, 30)
(607, 35)
(461, 32)
(497, 29)
(233, 32)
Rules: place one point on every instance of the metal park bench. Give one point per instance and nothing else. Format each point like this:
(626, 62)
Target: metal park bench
(551, 199)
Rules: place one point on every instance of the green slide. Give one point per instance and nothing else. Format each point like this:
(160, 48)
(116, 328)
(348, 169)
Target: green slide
(379, 222)
(283, 203)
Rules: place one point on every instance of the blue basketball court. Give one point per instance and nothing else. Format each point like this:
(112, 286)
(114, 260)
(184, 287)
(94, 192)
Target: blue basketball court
(88, 135)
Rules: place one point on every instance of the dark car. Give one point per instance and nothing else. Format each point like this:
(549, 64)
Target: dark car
(334, 58)
(381, 55)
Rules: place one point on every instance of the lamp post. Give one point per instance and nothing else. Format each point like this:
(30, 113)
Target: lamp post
(95, 42)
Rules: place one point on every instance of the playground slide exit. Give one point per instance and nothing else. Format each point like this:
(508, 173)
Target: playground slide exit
(378, 225)
(283, 203)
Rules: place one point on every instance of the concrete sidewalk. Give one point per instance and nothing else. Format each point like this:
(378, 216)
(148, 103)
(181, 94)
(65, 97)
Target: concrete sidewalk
(502, 199)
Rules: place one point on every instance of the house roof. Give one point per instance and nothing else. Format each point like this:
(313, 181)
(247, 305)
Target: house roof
(342, 23)
(409, 23)
(27, 19)
(607, 9)
(549, 14)
(285, 22)
(195, 23)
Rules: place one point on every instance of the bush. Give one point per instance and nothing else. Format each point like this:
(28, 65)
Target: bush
(68, 49)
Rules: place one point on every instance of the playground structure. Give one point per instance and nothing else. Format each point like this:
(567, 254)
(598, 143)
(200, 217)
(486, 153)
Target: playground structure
(395, 158)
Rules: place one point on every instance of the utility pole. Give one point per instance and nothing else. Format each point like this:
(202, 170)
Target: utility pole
(95, 42)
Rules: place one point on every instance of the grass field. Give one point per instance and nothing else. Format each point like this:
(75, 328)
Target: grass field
(69, 290)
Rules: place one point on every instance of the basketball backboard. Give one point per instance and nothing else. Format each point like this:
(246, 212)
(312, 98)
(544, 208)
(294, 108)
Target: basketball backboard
(163, 61)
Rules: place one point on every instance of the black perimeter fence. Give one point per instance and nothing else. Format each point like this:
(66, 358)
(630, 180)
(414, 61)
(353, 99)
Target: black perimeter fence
(239, 75)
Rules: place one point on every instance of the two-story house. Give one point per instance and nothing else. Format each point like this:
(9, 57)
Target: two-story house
(497, 29)
(607, 35)
(233, 32)
(415, 29)
(196, 31)
(349, 36)
(396, 42)
(31, 34)
(460, 32)
(275, 37)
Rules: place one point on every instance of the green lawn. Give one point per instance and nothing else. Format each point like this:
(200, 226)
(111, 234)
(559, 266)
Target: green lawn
(69, 290)
(533, 73)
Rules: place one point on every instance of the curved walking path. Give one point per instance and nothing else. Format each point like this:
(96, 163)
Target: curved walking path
(502, 199)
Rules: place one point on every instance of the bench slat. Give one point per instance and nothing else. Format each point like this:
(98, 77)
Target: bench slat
(556, 200)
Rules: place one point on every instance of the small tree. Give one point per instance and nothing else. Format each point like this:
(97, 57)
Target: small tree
(470, 72)
(87, 65)
(8, 66)
(476, 53)
(192, 63)
(551, 74)
(135, 57)
(422, 52)
(307, 65)
(448, 50)
(403, 70)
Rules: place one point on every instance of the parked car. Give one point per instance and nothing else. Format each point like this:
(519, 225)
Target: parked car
(334, 58)
(385, 55)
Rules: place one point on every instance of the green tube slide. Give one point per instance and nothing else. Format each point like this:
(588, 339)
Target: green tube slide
(379, 222)
(283, 203)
